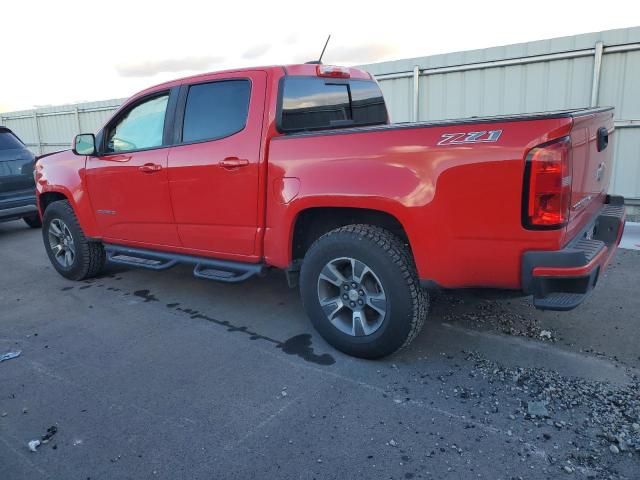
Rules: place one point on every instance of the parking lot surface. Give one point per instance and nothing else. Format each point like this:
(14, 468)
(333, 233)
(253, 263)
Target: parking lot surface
(160, 375)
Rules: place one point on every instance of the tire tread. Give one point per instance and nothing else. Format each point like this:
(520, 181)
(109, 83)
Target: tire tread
(92, 254)
(401, 256)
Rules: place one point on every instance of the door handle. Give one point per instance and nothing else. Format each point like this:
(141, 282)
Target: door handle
(150, 168)
(234, 162)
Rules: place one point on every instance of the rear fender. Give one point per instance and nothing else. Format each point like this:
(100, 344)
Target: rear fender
(279, 232)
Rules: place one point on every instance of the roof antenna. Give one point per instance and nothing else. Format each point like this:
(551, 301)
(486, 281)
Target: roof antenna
(324, 48)
(319, 61)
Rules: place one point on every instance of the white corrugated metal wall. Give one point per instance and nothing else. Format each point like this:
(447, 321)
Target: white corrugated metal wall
(594, 69)
(50, 129)
(571, 72)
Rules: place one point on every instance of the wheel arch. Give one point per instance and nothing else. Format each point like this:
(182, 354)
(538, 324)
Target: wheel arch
(299, 224)
(79, 203)
(47, 198)
(313, 222)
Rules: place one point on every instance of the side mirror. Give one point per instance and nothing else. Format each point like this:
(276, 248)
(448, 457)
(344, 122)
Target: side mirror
(84, 144)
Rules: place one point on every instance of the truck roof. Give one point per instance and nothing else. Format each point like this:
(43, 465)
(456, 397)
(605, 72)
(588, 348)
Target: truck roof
(297, 69)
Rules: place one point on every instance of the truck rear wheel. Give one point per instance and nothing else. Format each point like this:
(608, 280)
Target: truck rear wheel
(360, 289)
(70, 253)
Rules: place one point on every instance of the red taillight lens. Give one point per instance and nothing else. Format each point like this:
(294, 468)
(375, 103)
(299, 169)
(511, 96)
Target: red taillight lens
(548, 185)
(332, 71)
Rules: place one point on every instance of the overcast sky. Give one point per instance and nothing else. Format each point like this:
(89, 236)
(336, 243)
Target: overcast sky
(56, 52)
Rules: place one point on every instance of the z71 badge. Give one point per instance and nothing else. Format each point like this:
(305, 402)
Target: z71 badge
(470, 137)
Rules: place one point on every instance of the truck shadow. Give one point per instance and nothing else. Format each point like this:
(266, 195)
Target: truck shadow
(15, 228)
(268, 307)
(459, 320)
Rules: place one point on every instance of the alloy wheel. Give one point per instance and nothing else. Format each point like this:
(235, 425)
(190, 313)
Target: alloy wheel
(351, 296)
(61, 243)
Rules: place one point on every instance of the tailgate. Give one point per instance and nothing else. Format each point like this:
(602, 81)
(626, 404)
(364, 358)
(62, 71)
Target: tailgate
(592, 157)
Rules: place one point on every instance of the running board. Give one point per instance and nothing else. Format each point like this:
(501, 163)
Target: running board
(209, 268)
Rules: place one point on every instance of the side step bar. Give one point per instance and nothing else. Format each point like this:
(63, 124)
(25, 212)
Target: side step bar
(209, 268)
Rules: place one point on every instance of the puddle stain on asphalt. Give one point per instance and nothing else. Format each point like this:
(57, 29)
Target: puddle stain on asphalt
(298, 345)
(196, 315)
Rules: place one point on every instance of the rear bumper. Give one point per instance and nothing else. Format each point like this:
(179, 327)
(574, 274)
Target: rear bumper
(562, 279)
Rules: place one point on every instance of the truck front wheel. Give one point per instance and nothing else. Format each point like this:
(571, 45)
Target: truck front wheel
(70, 252)
(360, 289)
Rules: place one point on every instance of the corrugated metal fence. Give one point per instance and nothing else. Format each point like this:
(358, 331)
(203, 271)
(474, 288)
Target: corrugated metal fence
(594, 69)
(50, 129)
(570, 72)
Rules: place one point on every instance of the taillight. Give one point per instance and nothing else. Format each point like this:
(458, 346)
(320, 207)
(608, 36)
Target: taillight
(547, 185)
(332, 71)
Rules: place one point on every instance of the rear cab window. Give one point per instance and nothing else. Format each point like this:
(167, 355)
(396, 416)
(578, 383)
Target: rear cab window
(314, 103)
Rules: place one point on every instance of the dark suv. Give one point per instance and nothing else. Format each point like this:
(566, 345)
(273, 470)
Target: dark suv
(17, 187)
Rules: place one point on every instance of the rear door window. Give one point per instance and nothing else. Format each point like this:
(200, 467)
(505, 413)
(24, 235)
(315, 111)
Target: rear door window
(311, 103)
(216, 110)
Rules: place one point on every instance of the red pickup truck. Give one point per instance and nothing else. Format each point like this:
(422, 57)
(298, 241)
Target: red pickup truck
(298, 168)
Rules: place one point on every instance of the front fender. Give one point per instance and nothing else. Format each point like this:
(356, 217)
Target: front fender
(63, 173)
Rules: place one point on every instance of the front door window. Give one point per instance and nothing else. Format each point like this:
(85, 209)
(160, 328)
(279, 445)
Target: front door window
(140, 128)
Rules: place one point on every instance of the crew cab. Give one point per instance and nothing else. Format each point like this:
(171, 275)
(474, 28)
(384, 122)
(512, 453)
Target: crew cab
(297, 167)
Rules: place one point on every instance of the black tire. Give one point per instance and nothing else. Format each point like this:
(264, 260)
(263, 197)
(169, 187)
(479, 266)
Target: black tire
(89, 257)
(390, 260)
(33, 221)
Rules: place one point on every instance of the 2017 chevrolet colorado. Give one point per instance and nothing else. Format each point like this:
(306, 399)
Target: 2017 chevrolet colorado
(298, 168)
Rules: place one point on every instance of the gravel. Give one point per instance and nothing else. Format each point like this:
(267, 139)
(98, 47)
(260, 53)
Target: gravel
(602, 416)
(496, 315)
(537, 409)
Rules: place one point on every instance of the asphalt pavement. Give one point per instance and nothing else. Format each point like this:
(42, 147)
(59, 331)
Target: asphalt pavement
(158, 375)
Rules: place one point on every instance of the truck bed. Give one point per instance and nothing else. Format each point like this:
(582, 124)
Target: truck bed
(518, 117)
(461, 204)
